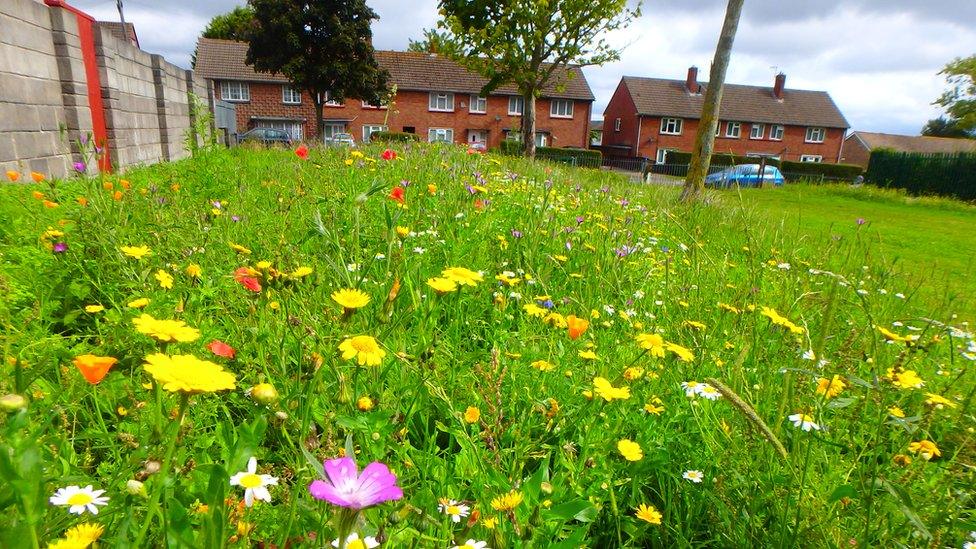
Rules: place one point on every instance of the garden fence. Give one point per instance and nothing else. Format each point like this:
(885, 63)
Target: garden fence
(919, 174)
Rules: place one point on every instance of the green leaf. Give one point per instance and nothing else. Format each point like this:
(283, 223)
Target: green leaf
(580, 510)
(842, 491)
(839, 403)
(905, 506)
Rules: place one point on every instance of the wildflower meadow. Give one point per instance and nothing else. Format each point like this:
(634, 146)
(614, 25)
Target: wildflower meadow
(424, 346)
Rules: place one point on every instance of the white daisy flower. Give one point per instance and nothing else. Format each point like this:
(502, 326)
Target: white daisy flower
(707, 391)
(784, 266)
(353, 541)
(694, 476)
(692, 388)
(78, 500)
(454, 509)
(419, 250)
(809, 355)
(900, 295)
(472, 544)
(255, 485)
(804, 421)
(638, 295)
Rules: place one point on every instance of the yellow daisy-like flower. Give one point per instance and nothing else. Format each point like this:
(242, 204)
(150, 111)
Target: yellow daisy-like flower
(588, 355)
(926, 448)
(906, 379)
(938, 401)
(507, 502)
(648, 513)
(442, 285)
(830, 387)
(895, 411)
(193, 270)
(472, 415)
(94, 308)
(364, 349)
(462, 276)
(165, 279)
(351, 299)
(892, 336)
(685, 355)
(543, 366)
(87, 533)
(532, 309)
(780, 320)
(68, 543)
(301, 272)
(694, 324)
(137, 252)
(165, 330)
(605, 390)
(188, 374)
(138, 303)
(239, 249)
(630, 450)
(653, 343)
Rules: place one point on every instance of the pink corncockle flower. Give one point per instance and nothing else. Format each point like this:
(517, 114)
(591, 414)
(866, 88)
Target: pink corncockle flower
(346, 487)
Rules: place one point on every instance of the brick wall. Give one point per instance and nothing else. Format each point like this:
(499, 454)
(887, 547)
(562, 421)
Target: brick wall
(622, 139)
(855, 152)
(411, 111)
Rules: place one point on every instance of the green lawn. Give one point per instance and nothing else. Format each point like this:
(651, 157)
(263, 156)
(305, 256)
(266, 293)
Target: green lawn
(930, 242)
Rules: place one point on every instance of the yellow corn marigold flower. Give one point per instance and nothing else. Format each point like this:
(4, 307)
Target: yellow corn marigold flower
(588, 355)
(94, 308)
(462, 276)
(532, 309)
(780, 320)
(630, 450)
(605, 390)
(138, 303)
(938, 401)
(193, 270)
(633, 373)
(351, 299)
(654, 407)
(239, 249)
(165, 279)
(653, 343)
(729, 308)
(137, 252)
(905, 379)
(902, 460)
(555, 320)
(896, 412)
(365, 404)
(364, 349)
(442, 285)
(490, 523)
(86, 532)
(165, 330)
(472, 415)
(543, 366)
(301, 272)
(648, 513)
(684, 354)
(507, 502)
(926, 448)
(694, 324)
(830, 387)
(402, 232)
(188, 374)
(892, 336)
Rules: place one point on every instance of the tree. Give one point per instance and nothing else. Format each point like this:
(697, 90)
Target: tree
(945, 127)
(323, 47)
(432, 42)
(959, 100)
(529, 43)
(701, 155)
(233, 25)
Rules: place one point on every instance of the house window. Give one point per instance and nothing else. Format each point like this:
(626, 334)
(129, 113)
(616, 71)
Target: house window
(370, 129)
(671, 126)
(515, 105)
(291, 96)
(757, 131)
(293, 127)
(815, 135)
(776, 132)
(368, 105)
(330, 129)
(718, 128)
(811, 158)
(733, 129)
(561, 108)
(235, 91)
(409, 129)
(330, 102)
(440, 135)
(541, 139)
(441, 101)
(662, 155)
(478, 105)
(616, 125)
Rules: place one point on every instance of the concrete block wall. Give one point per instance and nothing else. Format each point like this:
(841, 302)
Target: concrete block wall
(172, 106)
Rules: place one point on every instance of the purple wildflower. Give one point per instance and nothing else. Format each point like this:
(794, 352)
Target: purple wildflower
(404, 183)
(625, 250)
(516, 233)
(235, 218)
(216, 204)
(580, 219)
(346, 487)
(470, 189)
(80, 167)
(547, 304)
(569, 245)
(59, 247)
(624, 202)
(861, 221)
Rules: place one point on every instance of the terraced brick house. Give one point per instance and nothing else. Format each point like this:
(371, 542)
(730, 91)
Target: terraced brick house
(436, 99)
(648, 117)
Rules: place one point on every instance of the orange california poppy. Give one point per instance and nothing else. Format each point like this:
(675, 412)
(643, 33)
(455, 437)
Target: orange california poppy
(37, 177)
(94, 367)
(222, 349)
(576, 326)
(12, 175)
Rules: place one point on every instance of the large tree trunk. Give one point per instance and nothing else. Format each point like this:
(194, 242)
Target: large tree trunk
(705, 138)
(319, 117)
(528, 124)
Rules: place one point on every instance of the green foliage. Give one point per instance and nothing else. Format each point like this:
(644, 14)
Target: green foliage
(959, 100)
(200, 134)
(584, 158)
(233, 25)
(946, 127)
(830, 171)
(919, 174)
(432, 42)
(393, 137)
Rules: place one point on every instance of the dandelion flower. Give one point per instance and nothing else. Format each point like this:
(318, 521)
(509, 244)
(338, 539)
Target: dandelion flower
(905, 379)
(353, 541)
(188, 374)
(364, 349)
(165, 330)
(453, 509)
(462, 276)
(926, 448)
(78, 500)
(630, 450)
(543, 366)
(301, 272)
(94, 367)
(255, 485)
(165, 279)
(588, 355)
(683, 354)
(507, 502)
(85, 533)
(693, 475)
(895, 411)
(648, 513)
(346, 487)
(351, 299)
(804, 421)
(137, 252)
(472, 415)
(365, 404)
(193, 270)
(830, 387)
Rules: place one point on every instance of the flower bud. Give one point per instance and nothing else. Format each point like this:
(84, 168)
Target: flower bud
(13, 403)
(264, 393)
(135, 488)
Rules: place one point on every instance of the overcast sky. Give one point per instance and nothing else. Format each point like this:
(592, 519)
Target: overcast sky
(878, 59)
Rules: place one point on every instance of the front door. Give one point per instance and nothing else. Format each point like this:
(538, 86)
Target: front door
(478, 139)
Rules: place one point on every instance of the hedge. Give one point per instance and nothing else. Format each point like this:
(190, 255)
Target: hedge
(788, 167)
(393, 137)
(586, 158)
(719, 159)
(920, 174)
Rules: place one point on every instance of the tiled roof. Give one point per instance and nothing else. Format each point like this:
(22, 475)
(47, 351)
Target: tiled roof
(915, 143)
(128, 35)
(224, 60)
(661, 97)
(596, 125)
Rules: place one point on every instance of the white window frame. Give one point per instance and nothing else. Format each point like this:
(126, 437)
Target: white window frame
(516, 105)
(566, 110)
(811, 158)
(762, 131)
(288, 94)
(671, 126)
(662, 155)
(434, 135)
(243, 90)
(369, 129)
(371, 106)
(718, 128)
(329, 129)
(616, 125)
(329, 102)
(477, 104)
(440, 102)
(295, 128)
(737, 126)
(776, 132)
(813, 132)
(541, 139)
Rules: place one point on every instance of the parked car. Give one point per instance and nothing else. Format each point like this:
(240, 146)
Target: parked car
(341, 140)
(266, 136)
(745, 175)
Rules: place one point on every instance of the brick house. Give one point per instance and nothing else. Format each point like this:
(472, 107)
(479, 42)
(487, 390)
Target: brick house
(436, 99)
(649, 116)
(858, 145)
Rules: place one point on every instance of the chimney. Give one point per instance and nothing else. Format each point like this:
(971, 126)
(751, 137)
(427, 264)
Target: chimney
(692, 82)
(779, 86)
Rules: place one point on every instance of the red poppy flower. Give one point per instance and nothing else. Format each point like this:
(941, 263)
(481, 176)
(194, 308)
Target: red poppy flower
(220, 348)
(302, 152)
(243, 276)
(398, 194)
(389, 154)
